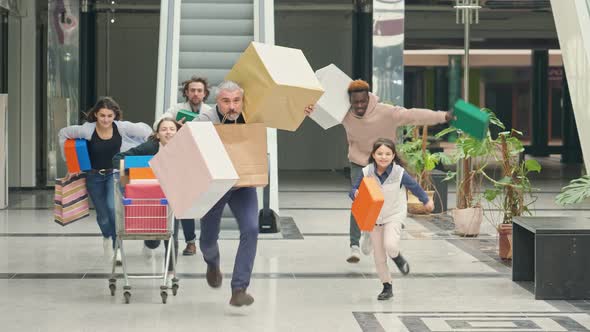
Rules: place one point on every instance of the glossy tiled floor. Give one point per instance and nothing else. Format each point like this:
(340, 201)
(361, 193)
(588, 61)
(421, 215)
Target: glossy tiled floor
(54, 278)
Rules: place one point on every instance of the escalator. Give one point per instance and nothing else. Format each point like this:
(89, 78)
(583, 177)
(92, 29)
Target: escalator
(205, 38)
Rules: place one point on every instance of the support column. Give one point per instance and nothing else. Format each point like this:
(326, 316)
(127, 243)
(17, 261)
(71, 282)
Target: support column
(3, 108)
(3, 150)
(572, 150)
(474, 88)
(454, 85)
(268, 216)
(22, 101)
(3, 51)
(362, 43)
(441, 89)
(540, 122)
(87, 55)
(429, 88)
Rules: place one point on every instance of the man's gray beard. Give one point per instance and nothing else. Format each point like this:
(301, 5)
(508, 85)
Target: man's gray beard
(232, 116)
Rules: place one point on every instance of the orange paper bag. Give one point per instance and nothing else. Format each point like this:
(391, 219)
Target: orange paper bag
(367, 204)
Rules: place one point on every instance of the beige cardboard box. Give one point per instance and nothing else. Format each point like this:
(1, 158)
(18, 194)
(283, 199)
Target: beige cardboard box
(278, 83)
(246, 147)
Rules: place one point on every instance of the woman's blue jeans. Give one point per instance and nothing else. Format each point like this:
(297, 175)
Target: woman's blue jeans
(101, 192)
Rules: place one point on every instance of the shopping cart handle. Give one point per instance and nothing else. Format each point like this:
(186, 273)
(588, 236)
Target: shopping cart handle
(129, 201)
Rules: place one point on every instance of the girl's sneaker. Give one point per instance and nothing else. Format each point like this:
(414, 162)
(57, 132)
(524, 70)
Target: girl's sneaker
(366, 245)
(386, 293)
(169, 278)
(355, 255)
(119, 262)
(402, 264)
(107, 246)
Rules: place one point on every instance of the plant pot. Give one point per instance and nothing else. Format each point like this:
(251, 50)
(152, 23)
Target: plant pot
(467, 221)
(505, 241)
(414, 204)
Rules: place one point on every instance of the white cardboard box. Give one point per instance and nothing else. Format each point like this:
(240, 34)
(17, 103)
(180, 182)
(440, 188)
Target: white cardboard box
(194, 170)
(332, 107)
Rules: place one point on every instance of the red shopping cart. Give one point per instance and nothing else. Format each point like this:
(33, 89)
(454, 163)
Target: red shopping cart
(142, 219)
(149, 216)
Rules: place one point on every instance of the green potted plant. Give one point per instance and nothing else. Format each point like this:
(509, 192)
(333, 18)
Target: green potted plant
(512, 194)
(420, 163)
(574, 193)
(475, 155)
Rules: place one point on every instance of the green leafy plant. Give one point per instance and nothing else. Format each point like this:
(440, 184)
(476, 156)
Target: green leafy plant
(513, 192)
(577, 191)
(475, 156)
(420, 161)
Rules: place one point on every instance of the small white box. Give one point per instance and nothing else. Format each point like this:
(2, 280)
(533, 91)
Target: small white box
(332, 107)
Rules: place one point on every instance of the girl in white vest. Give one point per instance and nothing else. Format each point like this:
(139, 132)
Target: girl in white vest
(387, 168)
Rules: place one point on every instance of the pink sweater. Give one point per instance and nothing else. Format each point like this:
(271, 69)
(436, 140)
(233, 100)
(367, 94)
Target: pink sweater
(381, 121)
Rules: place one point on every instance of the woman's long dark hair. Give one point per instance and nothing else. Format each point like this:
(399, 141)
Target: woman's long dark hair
(104, 102)
(154, 136)
(389, 144)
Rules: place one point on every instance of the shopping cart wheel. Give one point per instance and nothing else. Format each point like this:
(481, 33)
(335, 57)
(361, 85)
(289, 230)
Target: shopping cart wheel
(164, 296)
(113, 288)
(175, 289)
(127, 297)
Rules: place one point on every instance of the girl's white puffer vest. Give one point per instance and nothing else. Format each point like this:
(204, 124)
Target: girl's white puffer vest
(395, 204)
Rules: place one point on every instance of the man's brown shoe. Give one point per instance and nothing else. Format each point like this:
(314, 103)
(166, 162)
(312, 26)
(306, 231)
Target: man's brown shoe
(214, 276)
(190, 249)
(239, 298)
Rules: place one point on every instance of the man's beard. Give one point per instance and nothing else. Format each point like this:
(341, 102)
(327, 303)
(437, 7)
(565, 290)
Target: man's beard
(232, 115)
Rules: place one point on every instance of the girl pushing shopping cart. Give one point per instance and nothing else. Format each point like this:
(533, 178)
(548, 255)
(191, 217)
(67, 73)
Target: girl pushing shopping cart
(142, 213)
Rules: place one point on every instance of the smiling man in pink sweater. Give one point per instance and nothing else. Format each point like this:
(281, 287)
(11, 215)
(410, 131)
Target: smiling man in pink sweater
(366, 121)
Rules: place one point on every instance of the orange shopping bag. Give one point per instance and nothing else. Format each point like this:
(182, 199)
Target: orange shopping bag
(367, 204)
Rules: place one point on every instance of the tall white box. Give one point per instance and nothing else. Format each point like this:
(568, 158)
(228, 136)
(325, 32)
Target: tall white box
(194, 170)
(332, 107)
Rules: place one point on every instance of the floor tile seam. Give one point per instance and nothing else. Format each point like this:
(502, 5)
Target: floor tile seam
(255, 276)
(517, 312)
(437, 238)
(471, 316)
(84, 235)
(549, 192)
(49, 193)
(222, 238)
(481, 256)
(292, 208)
(490, 210)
